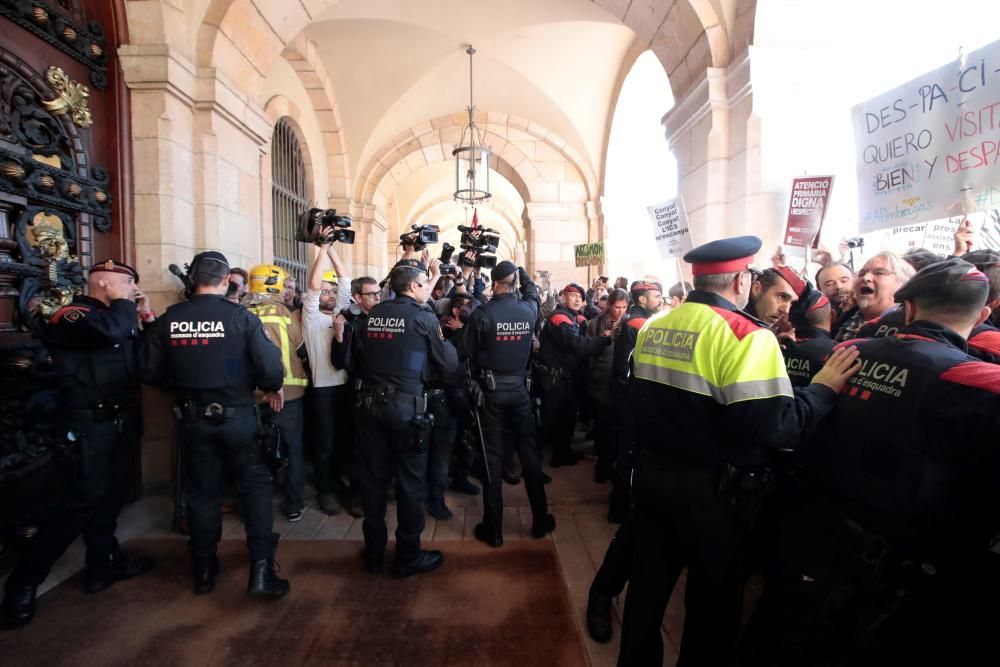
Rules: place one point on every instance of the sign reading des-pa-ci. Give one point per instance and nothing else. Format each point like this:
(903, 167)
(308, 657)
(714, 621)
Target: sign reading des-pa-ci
(930, 149)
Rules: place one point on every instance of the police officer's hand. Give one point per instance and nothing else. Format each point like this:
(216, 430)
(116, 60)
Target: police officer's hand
(338, 327)
(142, 304)
(839, 368)
(276, 400)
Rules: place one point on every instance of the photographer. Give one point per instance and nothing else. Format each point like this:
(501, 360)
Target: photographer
(329, 400)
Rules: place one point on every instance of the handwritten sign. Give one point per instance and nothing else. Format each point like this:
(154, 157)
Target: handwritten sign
(939, 235)
(670, 227)
(806, 209)
(589, 254)
(930, 149)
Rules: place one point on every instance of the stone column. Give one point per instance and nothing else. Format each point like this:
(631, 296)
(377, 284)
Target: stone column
(555, 228)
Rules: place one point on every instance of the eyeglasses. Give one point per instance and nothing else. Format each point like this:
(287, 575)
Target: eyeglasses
(373, 294)
(327, 292)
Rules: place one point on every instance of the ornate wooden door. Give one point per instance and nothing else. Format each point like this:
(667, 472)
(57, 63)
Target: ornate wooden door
(64, 200)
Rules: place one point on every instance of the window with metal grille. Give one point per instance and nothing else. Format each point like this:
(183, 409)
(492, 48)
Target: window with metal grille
(289, 198)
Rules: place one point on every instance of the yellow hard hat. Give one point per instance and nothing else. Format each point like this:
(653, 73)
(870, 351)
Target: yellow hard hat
(330, 277)
(267, 279)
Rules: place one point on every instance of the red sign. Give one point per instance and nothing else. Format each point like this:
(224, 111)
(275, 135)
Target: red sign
(810, 197)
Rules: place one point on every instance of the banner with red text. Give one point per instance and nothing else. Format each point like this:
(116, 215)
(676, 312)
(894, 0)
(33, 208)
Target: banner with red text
(806, 210)
(930, 149)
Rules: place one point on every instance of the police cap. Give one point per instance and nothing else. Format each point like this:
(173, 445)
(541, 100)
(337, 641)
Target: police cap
(412, 263)
(503, 270)
(724, 255)
(210, 263)
(573, 287)
(798, 285)
(939, 281)
(983, 259)
(811, 300)
(112, 266)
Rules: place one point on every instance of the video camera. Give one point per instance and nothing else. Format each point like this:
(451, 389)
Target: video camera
(420, 237)
(317, 223)
(447, 267)
(185, 278)
(483, 243)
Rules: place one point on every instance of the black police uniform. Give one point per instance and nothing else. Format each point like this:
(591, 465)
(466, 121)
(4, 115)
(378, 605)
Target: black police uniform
(905, 470)
(92, 347)
(397, 344)
(497, 342)
(212, 354)
(561, 351)
(807, 354)
(984, 343)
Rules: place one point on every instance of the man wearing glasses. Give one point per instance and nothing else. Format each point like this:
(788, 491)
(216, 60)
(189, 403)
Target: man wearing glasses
(329, 407)
(398, 345)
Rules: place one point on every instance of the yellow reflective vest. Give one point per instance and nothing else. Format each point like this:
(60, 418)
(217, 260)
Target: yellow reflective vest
(711, 351)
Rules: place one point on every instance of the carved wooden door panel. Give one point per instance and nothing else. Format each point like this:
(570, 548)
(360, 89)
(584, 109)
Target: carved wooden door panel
(64, 199)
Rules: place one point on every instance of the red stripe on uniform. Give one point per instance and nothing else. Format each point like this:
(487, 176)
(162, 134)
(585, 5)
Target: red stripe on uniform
(978, 374)
(987, 341)
(559, 319)
(637, 322)
(740, 325)
(67, 309)
(848, 343)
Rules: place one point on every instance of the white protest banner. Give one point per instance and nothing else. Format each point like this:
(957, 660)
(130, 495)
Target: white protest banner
(670, 227)
(939, 235)
(930, 148)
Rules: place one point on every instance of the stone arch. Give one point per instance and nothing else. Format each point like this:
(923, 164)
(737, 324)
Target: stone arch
(157, 23)
(302, 56)
(556, 173)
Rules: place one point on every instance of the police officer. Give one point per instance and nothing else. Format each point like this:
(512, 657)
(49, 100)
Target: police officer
(92, 346)
(894, 536)
(212, 354)
(497, 342)
(397, 344)
(562, 349)
(698, 477)
(808, 345)
(984, 341)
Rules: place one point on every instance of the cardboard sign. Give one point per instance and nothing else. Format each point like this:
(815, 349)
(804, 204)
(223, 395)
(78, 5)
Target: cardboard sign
(670, 227)
(930, 149)
(589, 254)
(939, 235)
(806, 210)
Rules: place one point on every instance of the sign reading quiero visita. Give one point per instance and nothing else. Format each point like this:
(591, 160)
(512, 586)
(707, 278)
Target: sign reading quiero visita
(589, 254)
(930, 148)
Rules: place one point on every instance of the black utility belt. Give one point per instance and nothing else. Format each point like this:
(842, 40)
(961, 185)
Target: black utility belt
(103, 411)
(190, 410)
(729, 478)
(554, 372)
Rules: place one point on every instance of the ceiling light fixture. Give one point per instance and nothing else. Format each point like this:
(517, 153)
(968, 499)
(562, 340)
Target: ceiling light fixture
(472, 157)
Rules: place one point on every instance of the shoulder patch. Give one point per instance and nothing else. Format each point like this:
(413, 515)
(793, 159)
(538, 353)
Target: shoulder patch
(987, 341)
(559, 319)
(637, 322)
(70, 314)
(978, 374)
(739, 324)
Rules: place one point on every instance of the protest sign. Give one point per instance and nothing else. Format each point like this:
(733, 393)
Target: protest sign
(589, 254)
(939, 235)
(930, 149)
(670, 227)
(806, 209)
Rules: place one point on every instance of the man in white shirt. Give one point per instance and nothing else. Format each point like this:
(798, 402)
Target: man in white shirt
(321, 301)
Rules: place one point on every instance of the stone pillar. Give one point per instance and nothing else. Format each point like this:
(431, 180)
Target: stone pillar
(555, 228)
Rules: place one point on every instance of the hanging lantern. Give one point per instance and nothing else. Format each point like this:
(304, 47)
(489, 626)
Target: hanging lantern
(472, 157)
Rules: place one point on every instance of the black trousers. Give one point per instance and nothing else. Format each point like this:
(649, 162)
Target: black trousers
(231, 444)
(510, 408)
(559, 415)
(332, 431)
(91, 505)
(441, 445)
(616, 568)
(387, 445)
(680, 521)
(624, 435)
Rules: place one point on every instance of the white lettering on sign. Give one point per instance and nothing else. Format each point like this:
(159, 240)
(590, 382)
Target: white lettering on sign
(207, 329)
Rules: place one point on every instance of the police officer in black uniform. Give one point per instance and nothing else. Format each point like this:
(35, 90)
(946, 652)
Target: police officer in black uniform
(562, 349)
(212, 354)
(895, 533)
(497, 343)
(807, 347)
(396, 346)
(92, 346)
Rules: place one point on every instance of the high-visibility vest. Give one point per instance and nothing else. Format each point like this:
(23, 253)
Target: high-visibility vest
(713, 352)
(277, 321)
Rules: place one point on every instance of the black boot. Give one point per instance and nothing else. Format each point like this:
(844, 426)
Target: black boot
(120, 566)
(424, 562)
(542, 526)
(18, 605)
(264, 582)
(437, 509)
(599, 617)
(485, 534)
(205, 570)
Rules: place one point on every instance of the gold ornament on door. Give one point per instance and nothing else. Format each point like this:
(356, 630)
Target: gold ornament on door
(71, 97)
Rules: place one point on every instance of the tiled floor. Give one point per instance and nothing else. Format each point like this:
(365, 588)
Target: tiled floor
(582, 534)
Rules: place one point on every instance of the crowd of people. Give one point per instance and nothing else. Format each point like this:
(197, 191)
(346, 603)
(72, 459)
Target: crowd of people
(836, 438)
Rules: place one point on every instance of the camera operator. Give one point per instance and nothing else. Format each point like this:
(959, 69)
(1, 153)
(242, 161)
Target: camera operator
(329, 405)
(497, 344)
(214, 383)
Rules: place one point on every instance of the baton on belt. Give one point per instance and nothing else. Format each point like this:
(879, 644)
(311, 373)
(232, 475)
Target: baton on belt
(482, 445)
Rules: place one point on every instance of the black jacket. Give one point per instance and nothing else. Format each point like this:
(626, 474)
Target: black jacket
(807, 354)
(562, 346)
